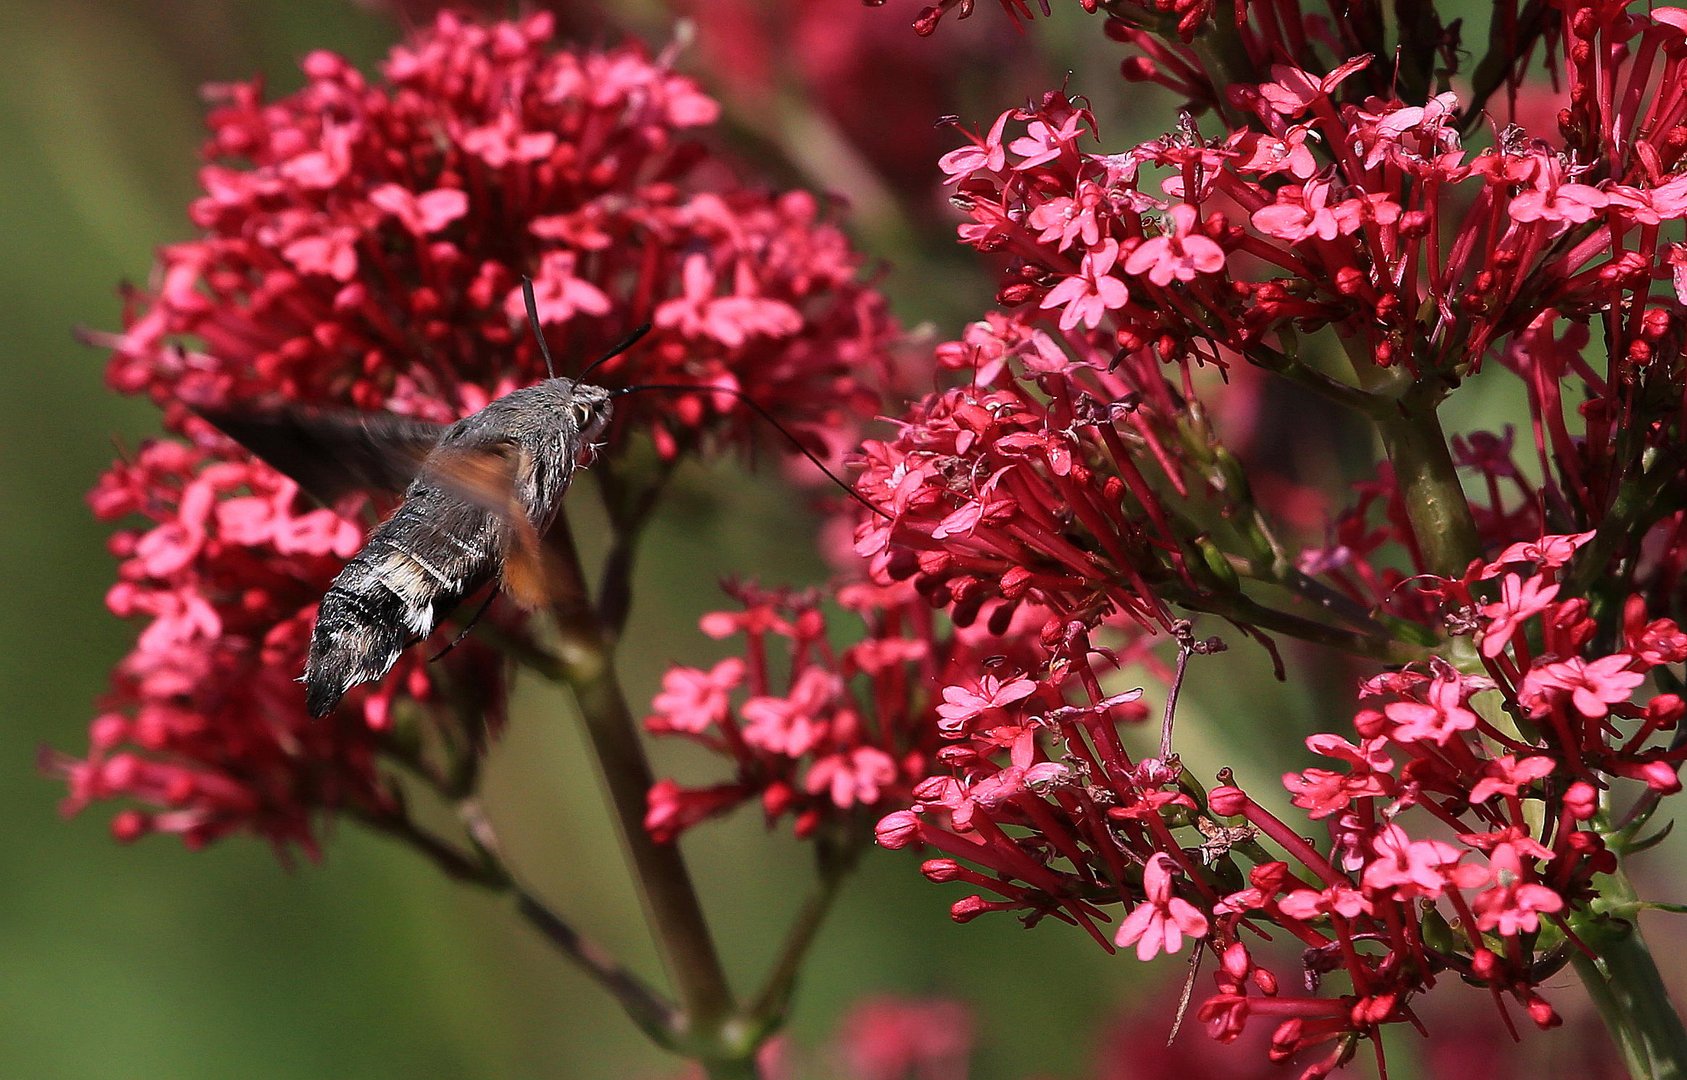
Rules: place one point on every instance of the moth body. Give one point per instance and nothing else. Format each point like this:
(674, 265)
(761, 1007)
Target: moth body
(478, 495)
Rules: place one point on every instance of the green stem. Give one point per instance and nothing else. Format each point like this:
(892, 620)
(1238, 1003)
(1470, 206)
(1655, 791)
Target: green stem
(1429, 487)
(1224, 56)
(1505, 45)
(769, 1007)
(744, 1068)
(1623, 981)
(629, 511)
(1639, 502)
(652, 1013)
(672, 910)
(1306, 377)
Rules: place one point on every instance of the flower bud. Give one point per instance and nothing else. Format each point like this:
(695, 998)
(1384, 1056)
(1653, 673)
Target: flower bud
(1581, 800)
(940, 870)
(897, 830)
(1227, 801)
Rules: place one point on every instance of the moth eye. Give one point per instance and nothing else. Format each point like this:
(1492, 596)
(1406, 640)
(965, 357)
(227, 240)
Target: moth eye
(582, 415)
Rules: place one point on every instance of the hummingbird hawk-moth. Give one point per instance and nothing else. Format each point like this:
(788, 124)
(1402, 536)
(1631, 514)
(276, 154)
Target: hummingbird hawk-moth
(479, 495)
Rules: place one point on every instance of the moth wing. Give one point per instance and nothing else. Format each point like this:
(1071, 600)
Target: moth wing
(486, 476)
(331, 454)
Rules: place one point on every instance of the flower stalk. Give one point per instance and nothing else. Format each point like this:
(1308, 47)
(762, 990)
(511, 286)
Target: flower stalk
(660, 1021)
(1622, 978)
(672, 909)
(1442, 525)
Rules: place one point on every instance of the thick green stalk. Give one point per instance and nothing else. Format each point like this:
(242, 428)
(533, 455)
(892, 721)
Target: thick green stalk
(672, 910)
(1429, 487)
(1623, 980)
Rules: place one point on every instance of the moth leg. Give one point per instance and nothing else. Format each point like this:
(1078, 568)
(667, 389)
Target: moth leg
(464, 632)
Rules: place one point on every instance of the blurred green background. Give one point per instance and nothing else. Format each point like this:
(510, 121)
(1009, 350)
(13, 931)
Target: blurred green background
(153, 962)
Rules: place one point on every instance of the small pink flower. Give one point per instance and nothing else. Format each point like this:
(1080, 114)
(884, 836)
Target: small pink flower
(731, 320)
(331, 252)
(1514, 905)
(558, 291)
(1505, 775)
(423, 214)
(1293, 90)
(692, 700)
(1268, 155)
(1547, 553)
(1339, 900)
(1559, 203)
(1437, 719)
(986, 153)
(858, 776)
(962, 705)
(504, 142)
(1181, 255)
(1160, 921)
(1407, 869)
(1592, 687)
(1301, 212)
(1043, 142)
(792, 725)
(1089, 294)
(1520, 599)
(886, 1038)
(1065, 220)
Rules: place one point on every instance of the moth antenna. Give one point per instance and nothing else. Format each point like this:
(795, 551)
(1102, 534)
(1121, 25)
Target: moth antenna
(464, 632)
(620, 347)
(545, 350)
(533, 321)
(756, 407)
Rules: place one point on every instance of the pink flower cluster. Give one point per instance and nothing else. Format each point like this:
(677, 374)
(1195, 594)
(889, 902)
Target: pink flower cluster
(1182, 241)
(821, 734)
(977, 476)
(1331, 203)
(369, 245)
(1078, 469)
(1459, 821)
(362, 244)
(930, 17)
(204, 725)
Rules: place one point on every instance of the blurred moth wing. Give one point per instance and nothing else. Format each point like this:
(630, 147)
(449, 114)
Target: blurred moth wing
(332, 453)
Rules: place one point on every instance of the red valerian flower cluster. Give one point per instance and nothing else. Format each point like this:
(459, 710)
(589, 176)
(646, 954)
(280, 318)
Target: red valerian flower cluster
(1349, 245)
(1505, 773)
(365, 245)
(204, 725)
(1337, 234)
(821, 734)
(930, 17)
(881, 1038)
(362, 244)
(897, 1038)
(1501, 773)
